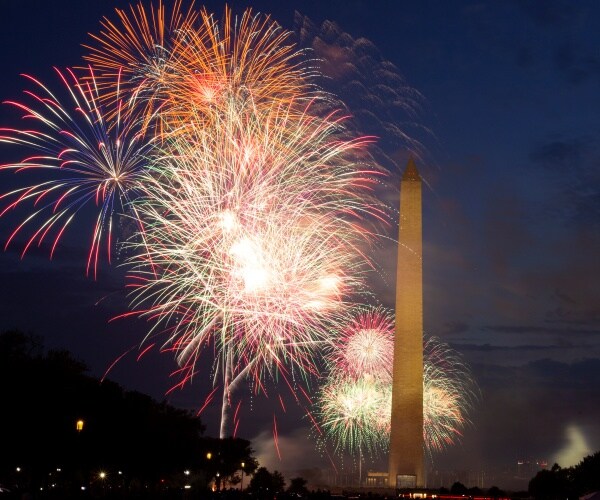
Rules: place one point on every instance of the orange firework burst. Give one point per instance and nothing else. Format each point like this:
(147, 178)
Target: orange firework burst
(132, 55)
(246, 59)
(182, 65)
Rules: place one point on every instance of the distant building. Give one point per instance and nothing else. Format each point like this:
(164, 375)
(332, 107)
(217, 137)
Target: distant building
(527, 468)
(377, 479)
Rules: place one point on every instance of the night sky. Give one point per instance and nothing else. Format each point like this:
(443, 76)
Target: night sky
(504, 100)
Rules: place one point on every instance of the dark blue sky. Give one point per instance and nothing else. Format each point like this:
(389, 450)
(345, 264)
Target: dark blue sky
(509, 121)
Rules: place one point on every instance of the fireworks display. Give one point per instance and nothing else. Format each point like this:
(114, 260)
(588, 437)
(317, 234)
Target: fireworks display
(252, 200)
(253, 206)
(354, 404)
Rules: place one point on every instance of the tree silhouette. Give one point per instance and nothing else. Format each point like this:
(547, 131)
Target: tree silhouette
(458, 489)
(298, 486)
(44, 396)
(265, 484)
(495, 492)
(586, 474)
(570, 482)
(226, 458)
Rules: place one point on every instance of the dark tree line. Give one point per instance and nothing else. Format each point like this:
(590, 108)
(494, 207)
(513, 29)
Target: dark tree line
(135, 438)
(570, 482)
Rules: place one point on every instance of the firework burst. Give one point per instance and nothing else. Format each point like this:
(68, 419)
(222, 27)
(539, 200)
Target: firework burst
(251, 237)
(132, 54)
(350, 413)
(183, 65)
(448, 394)
(86, 158)
(365, 347)
(236, 59)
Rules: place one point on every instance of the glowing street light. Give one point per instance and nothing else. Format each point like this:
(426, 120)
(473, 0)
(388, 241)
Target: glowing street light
(79, 425)
(242, 483)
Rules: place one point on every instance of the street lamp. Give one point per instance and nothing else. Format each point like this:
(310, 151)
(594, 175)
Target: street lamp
(78, 448)
(102, 476)
(242, 483)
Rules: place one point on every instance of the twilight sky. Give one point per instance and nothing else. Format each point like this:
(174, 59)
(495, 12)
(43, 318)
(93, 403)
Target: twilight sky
(504, 98)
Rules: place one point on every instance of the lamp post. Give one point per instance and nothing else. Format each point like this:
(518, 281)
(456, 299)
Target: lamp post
(208, 470)
(78, 468)
(102, 476)
(242, 483)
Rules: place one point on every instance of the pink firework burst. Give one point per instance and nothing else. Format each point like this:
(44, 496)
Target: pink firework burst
(366, 346)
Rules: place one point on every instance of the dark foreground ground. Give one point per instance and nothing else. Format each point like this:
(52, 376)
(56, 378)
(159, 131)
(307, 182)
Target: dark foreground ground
(185, 495)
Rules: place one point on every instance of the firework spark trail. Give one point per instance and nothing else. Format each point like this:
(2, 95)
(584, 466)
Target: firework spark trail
(381, 100)
(86, 157)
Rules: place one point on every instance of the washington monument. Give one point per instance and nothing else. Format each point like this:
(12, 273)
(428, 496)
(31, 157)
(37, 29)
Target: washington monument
(406, 438)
